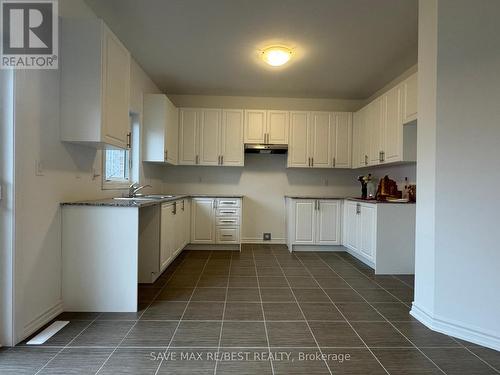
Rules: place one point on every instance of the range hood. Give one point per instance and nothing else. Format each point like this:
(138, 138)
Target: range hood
(265, 149)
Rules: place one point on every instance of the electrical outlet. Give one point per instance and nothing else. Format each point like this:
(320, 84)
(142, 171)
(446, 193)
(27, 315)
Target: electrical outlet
(267, 237)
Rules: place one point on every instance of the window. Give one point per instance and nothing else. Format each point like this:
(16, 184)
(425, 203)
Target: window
(121, 167)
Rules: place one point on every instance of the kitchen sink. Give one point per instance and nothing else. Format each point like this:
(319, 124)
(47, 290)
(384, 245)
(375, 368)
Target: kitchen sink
(158, 196)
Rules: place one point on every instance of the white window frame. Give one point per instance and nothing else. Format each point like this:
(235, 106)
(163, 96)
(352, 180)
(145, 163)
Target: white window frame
(116, 184)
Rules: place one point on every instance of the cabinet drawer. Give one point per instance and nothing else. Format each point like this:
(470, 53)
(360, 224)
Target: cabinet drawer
(228, 235)
(223, 212)
(228, 202)
(227, 221)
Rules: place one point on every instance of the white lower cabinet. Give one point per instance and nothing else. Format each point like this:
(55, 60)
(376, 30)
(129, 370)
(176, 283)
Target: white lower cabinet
(215, 220)
(174, 230)
(381, 235)
(313, 221)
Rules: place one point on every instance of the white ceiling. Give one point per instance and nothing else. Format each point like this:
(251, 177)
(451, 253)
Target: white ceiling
(343, 48)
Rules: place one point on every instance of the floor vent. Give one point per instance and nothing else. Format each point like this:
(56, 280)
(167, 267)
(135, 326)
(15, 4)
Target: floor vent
(48, 332)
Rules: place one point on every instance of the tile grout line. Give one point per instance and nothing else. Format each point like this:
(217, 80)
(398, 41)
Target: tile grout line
(262, 309)
(223, 313)
(65, 346)
(387, 320)
(341, 313)
(470, 351)
(184, 312)
(302, 312)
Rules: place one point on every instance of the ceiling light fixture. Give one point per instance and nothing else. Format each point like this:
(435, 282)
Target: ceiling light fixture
(276, 55)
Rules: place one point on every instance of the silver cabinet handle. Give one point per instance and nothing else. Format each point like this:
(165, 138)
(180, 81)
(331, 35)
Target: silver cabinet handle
(166, 154)
(366, 159)
(197, 159)
(309, 162)
(312, 162)
(333, 162)
(129, 139)
(319, 205)
(383, 156)
(174, 208)
(222, 160)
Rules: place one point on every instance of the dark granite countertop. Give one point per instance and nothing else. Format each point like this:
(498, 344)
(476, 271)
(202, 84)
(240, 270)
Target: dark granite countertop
(314, 197)
(373, 201)
(138, 203)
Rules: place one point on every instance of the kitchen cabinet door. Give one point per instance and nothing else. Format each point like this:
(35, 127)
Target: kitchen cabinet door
(171, 133)
(375, 129)
(209, 136)
(393, 145)
(368, 230)
(305, 221)
(202, 221)
(328, 222)
(410, 98)
(232, 150)
(116, 90)
(187, 221)
(277, 127)
(341, 139)
(255, 126)
(298, 149)
(161, 130)
(167, 235)
(360, 139)
(351, 226)
(188, 136)
(320, 154)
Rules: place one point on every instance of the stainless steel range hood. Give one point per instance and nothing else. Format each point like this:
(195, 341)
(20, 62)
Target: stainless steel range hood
(265, 149)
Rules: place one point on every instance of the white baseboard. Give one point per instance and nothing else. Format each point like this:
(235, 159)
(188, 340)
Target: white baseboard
(360, 257)
(455, 329)
(41, 320)
(258, 240)
(212, 247)
(318, 248)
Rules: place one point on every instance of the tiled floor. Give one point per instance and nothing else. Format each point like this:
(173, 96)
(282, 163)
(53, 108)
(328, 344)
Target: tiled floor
(261, 311)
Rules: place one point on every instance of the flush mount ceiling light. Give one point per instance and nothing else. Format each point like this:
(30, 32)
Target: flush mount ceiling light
(276, 55)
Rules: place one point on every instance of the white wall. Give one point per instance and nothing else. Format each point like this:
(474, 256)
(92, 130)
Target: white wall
(67, 175)
(6, 203)
(466, 132)
(264, 181)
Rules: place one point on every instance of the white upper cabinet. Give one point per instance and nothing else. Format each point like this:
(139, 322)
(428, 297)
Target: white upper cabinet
(298, 148)
(188, 136)
(380, 134)
(277, 127)
(393, 145)
(255, 126)
(232, 150)
(320, 140)
(410, 94)
(341, 140)
(161, 127)
(95, 85)
(209, 130)
(270, 127)
(320, 149)
(211, 137)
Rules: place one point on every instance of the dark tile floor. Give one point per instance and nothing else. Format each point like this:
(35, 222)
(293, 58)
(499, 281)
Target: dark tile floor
(261, 311)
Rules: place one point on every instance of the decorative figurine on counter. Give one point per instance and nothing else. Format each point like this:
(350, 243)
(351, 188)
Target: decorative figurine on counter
(364, 183)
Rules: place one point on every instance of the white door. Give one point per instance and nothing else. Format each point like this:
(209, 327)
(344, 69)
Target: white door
(255, 126)
(171, 132)
(277, 127)
(305, 218)
(166, 235)
(368, 230)
(203, 220)
(394, 127)
(116, 91)
(298, 149)
(342, 140)
(320, 140)
(410, 99)
(232, 152)
(374, 124)
(210, 124)
(328, 222)
(188, 136)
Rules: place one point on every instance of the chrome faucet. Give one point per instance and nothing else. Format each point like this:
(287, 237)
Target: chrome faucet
(134, 188)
